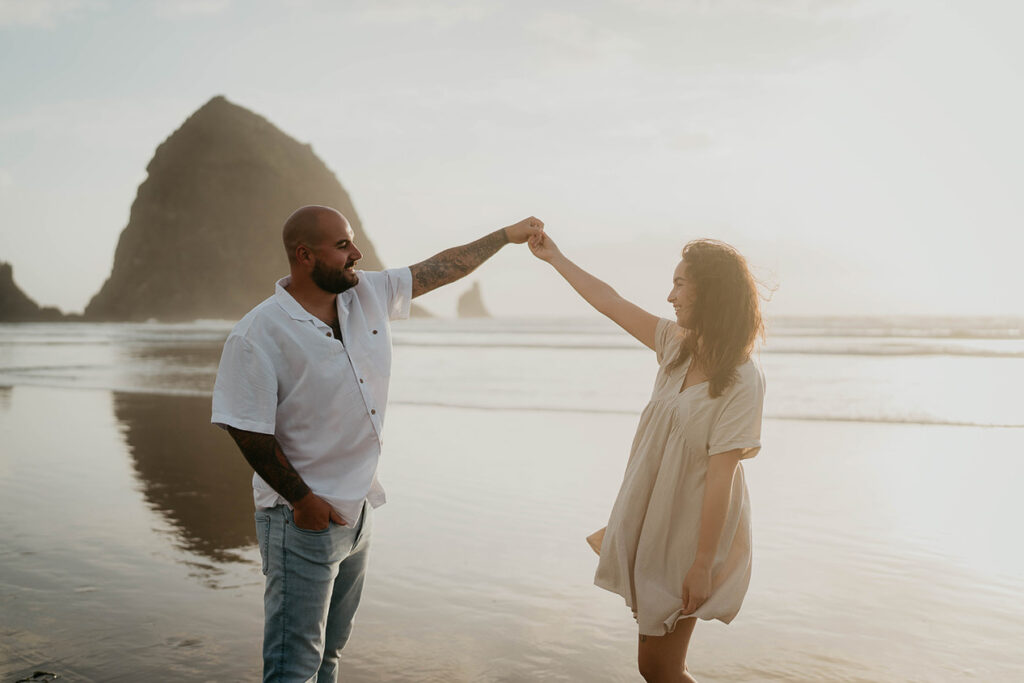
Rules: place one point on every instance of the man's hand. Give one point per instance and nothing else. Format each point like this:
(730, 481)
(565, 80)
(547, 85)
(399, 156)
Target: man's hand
(313, 513)
(524, 230)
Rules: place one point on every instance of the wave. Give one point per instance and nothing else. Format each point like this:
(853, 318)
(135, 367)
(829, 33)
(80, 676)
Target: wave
(37, 368)
(521, 345)
(823, 350)
(860, 351)
(921, 349)
(985, 338)
(933, 327)
(77, 384)
(924, 421)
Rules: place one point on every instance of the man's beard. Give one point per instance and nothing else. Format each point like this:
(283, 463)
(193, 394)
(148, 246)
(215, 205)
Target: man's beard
(333, 280)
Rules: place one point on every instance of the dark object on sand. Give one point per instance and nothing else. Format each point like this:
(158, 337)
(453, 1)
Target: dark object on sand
(39, 676)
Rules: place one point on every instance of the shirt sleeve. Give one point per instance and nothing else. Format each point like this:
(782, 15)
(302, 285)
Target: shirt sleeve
(398, 290)
(392, 288)
(245, 393)
(739, 424)
(667, 338)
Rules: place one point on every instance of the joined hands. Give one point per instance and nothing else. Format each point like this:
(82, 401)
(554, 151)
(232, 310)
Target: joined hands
(526, 229)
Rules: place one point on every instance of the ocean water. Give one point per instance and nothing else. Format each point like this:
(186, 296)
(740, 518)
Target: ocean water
(922, 371)
(886, 504)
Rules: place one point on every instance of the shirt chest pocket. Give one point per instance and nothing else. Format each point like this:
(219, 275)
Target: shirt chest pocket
(371, 355)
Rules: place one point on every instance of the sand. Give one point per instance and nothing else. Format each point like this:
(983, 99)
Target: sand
(882, 552)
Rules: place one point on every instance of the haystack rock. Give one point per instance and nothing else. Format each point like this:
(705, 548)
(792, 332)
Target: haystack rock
(203, 239)
(471, 304)
(16, 306)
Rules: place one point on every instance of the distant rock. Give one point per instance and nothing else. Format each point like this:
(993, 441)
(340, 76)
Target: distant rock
(203, 239)
(16, 306)
(471, 304)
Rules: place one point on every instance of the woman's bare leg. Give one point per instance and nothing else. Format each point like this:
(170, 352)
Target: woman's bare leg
(662, 659)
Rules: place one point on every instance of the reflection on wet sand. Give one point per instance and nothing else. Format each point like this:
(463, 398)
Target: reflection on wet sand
(190, 471)
(175, 366)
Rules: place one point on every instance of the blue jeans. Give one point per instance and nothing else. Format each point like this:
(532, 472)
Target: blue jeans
(314, 581)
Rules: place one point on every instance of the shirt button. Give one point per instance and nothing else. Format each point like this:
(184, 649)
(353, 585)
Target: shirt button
(328, 334)
(373, 412)
(375, 331)
(360, 380)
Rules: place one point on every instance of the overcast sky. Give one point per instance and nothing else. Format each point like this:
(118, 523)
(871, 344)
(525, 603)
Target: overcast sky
(866, 156)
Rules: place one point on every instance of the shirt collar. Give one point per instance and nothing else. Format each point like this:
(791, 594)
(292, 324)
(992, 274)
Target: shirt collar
(288, 302)
(295, 309)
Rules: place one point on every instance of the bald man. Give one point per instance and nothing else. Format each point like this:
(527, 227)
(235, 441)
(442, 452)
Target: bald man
(302, 388)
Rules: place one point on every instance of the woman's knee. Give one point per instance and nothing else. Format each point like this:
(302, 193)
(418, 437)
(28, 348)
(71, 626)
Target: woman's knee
(662, 658)
(655, 668)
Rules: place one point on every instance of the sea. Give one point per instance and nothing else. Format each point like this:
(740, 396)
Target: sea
(886, 500)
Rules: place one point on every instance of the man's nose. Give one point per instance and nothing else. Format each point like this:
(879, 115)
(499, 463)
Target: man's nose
(358, 254)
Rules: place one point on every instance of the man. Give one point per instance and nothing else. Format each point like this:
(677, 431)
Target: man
(302, 388)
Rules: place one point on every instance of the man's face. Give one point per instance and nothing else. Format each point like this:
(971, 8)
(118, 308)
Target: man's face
(335, 256)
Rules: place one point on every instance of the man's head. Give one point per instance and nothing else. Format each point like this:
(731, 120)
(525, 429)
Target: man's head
(319, 242)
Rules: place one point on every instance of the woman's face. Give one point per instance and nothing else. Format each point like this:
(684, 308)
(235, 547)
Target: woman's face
(682, 296)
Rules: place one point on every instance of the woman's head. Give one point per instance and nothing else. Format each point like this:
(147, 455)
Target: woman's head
(716, 300)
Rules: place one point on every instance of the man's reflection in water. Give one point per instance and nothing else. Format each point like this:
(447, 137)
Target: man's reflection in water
(190, 471)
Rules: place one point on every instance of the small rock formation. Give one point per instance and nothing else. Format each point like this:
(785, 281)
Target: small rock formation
(16, 306)
(204, 236)
(471, 304)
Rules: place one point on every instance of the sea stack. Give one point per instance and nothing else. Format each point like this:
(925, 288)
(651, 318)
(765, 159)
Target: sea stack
(203, 239)
(16, 306)
(471, 304)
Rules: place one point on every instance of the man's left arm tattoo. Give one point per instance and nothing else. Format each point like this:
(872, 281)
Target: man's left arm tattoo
(457, 262)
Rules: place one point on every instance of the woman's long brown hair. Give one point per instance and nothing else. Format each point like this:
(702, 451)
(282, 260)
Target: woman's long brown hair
(726, 314)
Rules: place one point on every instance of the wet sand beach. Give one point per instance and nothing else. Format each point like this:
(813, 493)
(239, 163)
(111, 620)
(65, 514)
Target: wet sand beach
(882, 551)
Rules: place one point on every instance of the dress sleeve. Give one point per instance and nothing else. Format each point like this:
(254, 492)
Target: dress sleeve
(245, 393)
(667, 338)
(739, 424)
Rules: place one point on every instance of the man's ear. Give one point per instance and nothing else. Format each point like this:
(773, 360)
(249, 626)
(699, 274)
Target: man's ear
(304, 255)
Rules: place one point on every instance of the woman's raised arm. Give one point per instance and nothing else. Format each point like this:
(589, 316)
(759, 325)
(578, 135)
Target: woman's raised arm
(598, 293)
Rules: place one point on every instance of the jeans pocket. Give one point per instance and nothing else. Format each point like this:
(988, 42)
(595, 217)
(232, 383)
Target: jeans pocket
(290, 514)
(263, 538)
(313, 532)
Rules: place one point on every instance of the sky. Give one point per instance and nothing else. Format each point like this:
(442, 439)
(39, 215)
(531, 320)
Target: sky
(866, 156)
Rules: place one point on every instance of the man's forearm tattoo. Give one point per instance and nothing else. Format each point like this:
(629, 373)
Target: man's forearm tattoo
(452, 264)
(264, 455)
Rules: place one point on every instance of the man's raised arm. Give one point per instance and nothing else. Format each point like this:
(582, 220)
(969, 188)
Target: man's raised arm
(457, 262)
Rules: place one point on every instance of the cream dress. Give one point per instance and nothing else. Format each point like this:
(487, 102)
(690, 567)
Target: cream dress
(651, 538)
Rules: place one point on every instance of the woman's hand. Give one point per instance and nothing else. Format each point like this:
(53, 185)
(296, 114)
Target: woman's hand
(696, 587)
(543, 247)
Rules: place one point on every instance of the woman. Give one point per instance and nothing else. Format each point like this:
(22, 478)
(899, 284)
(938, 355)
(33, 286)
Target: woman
(677, 546)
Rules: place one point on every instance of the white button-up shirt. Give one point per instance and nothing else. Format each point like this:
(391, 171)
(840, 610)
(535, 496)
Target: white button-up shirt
(282, 372)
